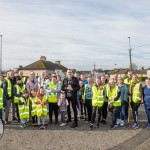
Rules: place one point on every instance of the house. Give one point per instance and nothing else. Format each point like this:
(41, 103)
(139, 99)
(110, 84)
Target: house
(43, 65)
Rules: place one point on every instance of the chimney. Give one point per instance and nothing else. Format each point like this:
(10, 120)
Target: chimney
(43, 58)
(58, 62)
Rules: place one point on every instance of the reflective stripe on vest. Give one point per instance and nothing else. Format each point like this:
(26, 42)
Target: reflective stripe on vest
(111, 94)
(1, 98)
(98, 97)
(136, 93)
(52, 97)
(9, 87)
(23, 109)
(23, 79)
(19, 89)
(33, 111)
(41, 109)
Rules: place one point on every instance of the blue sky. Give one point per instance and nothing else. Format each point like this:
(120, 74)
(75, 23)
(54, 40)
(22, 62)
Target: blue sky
(77, 32)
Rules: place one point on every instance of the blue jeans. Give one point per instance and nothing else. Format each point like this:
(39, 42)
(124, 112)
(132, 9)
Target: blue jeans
(1, 114)
(147, 109)
(123, 111)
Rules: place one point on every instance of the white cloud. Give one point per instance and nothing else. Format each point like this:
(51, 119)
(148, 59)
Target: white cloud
(78, 33)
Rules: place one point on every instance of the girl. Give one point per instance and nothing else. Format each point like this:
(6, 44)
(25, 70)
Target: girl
(24, 109)
(41, 107)
(33, 107)
(63, 103)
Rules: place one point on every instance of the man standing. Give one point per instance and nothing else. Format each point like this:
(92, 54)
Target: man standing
(8, 93)
(71, 86)
(23, 79)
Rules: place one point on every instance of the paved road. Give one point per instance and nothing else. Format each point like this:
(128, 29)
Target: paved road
(57, 138)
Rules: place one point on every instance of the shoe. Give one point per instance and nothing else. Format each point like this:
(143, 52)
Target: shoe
(118, 122)
(14, 118)
(98, 125)
(50, 122)
(22, 126)
(85, 119)
(6, 121)
(68, 120)
(81, 117)
(63, 124)
(42, 127)
(135, 126)
(73, 125)
(113, 126)
(91, 127)
(122, 123)
(148, 127)
(18, 120)
(103, 121)
(27, 125)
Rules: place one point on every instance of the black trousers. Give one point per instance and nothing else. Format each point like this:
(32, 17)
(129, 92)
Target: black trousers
(94, 114)
(104, 110)
(34, 119)
(88, 106)
(53, 107)
(135, 107)
(82, 107)
(73, 101)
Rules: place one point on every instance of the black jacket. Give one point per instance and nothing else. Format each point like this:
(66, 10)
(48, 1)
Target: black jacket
(74, 82)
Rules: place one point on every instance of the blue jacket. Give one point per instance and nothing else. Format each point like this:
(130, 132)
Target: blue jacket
(124, 92)
(146, 96)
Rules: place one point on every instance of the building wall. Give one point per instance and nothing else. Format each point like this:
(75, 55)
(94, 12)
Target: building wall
(148, 73)
(37, 72)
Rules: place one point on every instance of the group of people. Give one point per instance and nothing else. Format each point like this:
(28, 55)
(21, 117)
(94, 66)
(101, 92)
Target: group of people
(31, 97)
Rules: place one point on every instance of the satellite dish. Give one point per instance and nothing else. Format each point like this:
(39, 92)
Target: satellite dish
(1, 129)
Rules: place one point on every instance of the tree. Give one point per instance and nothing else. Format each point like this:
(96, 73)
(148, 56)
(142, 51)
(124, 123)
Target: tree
(20, 66)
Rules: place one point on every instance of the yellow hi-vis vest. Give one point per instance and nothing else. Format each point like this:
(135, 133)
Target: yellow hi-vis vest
(19, 89)
(23, 79)
(52, 97)
(98, 97)
(1, 98)
(33, 111)
(136, 96)
(41, 109)
(9, 87)
(24, 109)
(127, 81)
(112, 93)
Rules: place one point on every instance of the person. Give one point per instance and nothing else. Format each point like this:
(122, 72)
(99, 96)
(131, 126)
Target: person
(146, 98)
(18, 89)
(41, 107)
(1, 102)
(105, 105)
(23, 78)
(135, 91)
(77, 75)
(124, 101)
(8, 93)
(23, 106)
(115, 77)
(1, 81)
(53, 88)
(71, 86)
(80, 94)
(32, 99)
(31, 83)
(114, 101)
(97, 101)
(41, 79)
(82, 77)
(88, 98)
(63, 103)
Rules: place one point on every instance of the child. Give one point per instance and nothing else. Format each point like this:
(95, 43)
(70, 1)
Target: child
(41, 107)
(63, 103)
(24, 109)
(33, 107)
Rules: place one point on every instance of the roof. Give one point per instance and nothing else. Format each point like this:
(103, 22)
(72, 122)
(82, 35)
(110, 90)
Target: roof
(46, 65)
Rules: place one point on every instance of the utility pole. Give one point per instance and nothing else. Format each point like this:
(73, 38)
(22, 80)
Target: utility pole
(130, 54)
(1, 56)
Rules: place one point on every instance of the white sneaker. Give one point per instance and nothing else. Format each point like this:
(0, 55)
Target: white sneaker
(118, 121)
(122, 123)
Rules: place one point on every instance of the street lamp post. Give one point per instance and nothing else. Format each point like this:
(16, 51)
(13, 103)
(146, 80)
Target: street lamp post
(1, 56)
(130, 54)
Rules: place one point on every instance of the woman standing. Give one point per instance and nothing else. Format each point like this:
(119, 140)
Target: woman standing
(146, 97)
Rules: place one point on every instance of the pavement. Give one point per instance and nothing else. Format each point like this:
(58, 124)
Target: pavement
(55, 137)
